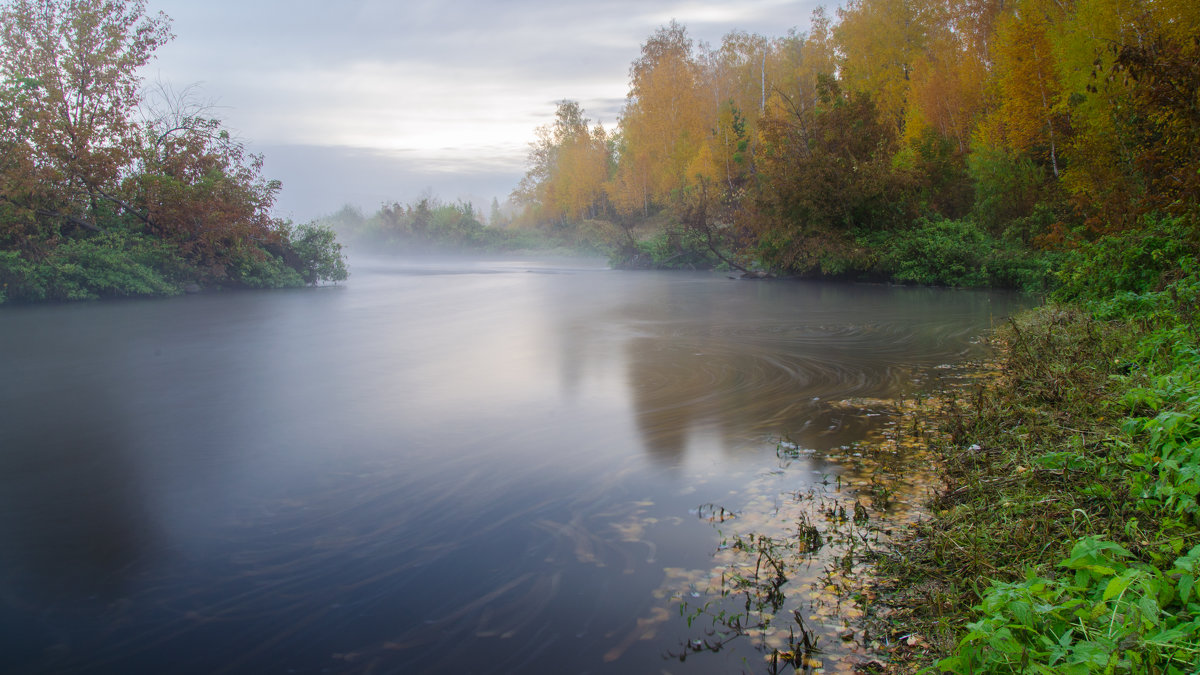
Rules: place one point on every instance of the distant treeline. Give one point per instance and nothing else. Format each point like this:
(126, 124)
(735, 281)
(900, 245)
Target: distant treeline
(106, 190)
(431, 225)
(933, 141)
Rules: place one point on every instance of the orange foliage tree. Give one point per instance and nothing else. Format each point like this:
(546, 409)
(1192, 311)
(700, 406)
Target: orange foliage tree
(73, 65)
(78, 153)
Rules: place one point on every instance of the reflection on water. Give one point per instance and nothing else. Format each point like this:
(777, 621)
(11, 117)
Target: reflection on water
(734, 364)
(453, 465)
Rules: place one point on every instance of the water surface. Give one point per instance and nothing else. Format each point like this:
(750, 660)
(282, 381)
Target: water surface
(440, 466)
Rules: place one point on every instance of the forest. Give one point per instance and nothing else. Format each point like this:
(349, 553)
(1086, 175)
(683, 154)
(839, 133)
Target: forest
(107, 190)
(958, 142)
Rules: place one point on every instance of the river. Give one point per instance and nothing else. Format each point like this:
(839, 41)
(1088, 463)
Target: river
(461, 465)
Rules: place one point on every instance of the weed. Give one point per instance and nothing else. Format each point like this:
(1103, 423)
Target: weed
(1066, 538)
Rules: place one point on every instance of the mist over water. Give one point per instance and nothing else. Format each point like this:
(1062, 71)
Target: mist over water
(463, 465)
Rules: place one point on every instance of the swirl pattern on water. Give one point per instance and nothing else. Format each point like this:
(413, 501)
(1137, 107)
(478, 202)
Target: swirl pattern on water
(747, 376)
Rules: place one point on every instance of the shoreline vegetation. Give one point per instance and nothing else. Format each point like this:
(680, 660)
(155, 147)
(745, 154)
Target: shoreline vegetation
(109, 190)
(1065, 536)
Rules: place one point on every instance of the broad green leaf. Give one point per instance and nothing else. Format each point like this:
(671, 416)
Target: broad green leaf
(1116, 586)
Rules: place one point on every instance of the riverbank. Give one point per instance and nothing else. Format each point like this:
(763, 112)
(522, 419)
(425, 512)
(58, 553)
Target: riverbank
(1064, 537)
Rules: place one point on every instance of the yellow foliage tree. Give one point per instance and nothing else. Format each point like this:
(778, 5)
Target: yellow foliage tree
(946, 92)
(1130, 72)
(879, 41)
(1029, 114)
(667, 118)
(569, 168)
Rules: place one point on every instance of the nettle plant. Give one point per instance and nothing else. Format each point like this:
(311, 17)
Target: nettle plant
(1110, 615)
(1164, 464)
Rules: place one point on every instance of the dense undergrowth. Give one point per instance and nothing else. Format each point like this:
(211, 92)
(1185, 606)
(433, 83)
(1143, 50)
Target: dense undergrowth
(125, 262)
(929, 251)
(1066, 538)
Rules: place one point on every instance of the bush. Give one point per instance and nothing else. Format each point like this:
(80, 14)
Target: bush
(958, 253)
(320, 254)
(950, 252)
(1135, 261)
(666, 250)
(113, 263)
(1007, 186)
(253, 267)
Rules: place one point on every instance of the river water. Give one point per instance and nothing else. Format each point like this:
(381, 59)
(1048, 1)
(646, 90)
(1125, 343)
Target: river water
(438, 466)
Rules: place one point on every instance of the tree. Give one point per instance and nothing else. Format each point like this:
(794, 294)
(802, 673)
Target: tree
(85, 177)
(77, 62)
(1030, 114)
(1131, 80)
(568, 168)
(319, 253)
(16, 168)
(945, 90)
(825, 175)
(740, 75)
(879, 43)
(497, 216)
(197, 186)
(667, 118)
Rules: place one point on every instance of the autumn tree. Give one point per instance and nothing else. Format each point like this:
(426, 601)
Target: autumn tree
(1162, 75)
(96, 199)
(826, 175)
(75, 63)
(879, 41)
(667, 119)
(740, 75)
(16, 169)
(1130, 76)
(569, 166)
(1011, 121)
(808, 57)
(945, 85)
(1030, 114)
(195, 184)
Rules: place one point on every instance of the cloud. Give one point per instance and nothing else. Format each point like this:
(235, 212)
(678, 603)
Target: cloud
(744, 15)
(412, 105)
(442, 86)
(318, 180)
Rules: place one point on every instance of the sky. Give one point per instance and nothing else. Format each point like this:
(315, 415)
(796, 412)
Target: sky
(366, 102)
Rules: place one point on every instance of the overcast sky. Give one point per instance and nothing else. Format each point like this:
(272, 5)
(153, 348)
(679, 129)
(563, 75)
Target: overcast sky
(367, 101)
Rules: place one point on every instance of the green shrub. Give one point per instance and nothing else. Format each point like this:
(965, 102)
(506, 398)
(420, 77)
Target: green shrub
(113, 263)
(255, 268)
(1007, 187)
(958, 253)
(1110, 616)
(665, 251)
(320, 254)
(950, 252)
(1135, 261)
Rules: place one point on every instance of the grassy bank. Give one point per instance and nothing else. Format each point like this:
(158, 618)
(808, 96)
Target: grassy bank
(1066, 536)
